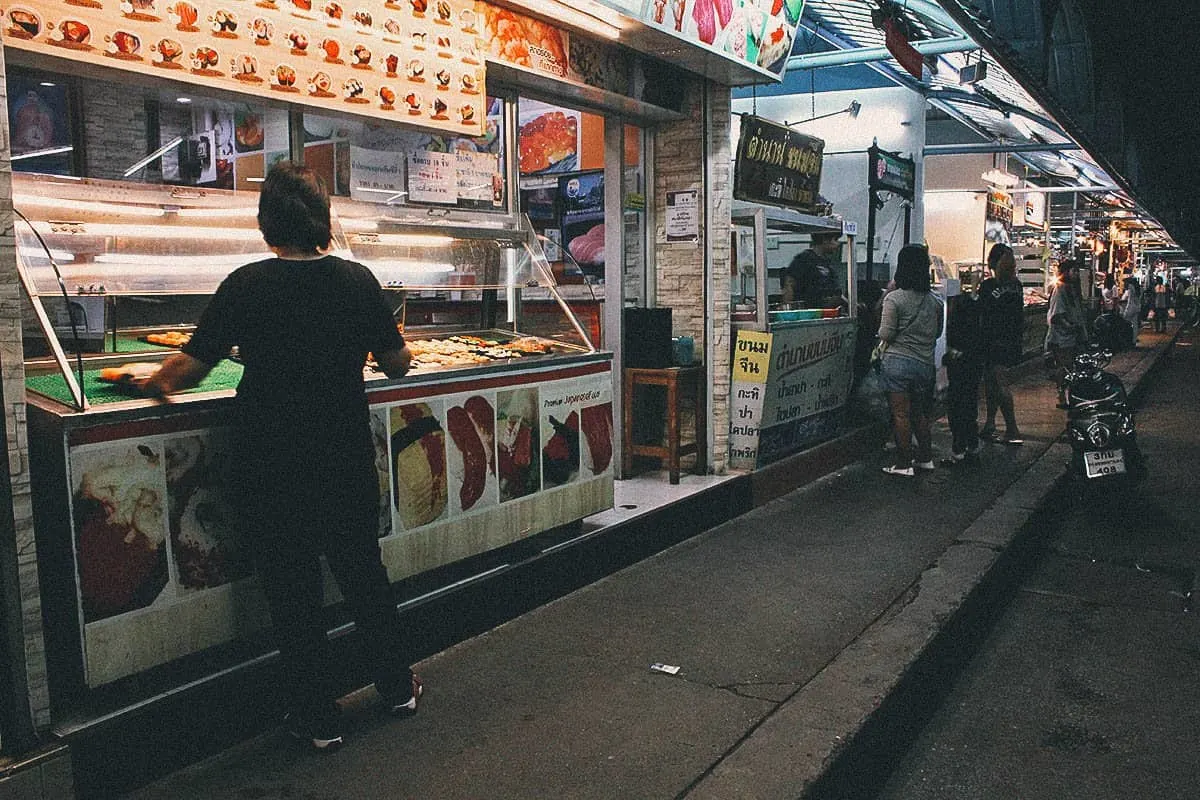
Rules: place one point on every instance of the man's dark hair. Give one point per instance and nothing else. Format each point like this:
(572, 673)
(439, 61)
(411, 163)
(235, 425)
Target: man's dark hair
(825, 236)
(293, 209)
(998, 251)
(912, 268)
(1068, 264)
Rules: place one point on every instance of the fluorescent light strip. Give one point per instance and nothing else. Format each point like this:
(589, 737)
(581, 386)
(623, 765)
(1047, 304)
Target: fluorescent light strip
(203, 260)
(49, 151)
(156, 154)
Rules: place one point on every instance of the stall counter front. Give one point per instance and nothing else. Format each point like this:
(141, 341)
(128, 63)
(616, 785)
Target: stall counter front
(145, 554)
(789, 388)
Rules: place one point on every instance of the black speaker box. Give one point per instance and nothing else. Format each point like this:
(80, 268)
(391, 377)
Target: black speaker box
(646, 343)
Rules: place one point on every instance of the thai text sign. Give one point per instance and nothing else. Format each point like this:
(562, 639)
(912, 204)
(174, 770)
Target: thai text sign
(416, 62)
(891, 173)
(811, 369)
(751, 365)
(777, 165)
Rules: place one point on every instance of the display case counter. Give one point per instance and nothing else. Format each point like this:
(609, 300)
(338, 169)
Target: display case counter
(494, 436)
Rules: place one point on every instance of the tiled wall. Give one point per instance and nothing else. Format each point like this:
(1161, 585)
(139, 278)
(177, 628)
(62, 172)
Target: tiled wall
(12, 384)
(681, 154)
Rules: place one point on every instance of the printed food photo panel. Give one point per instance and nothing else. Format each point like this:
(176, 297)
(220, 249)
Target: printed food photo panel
(119, 508)
(471, 454)
(418, 457)
(380, 435)
(517, 453)
(203, 522)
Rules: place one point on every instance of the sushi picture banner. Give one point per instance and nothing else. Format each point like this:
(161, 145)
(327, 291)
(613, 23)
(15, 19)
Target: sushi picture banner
(414, 61)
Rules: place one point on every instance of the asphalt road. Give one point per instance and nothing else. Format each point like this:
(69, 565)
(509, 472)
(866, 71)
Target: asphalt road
(1087, 685)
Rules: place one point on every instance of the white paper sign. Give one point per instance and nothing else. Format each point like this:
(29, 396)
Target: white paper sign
(475, 171)
(432, 177)
(683, 216)
(375, 175)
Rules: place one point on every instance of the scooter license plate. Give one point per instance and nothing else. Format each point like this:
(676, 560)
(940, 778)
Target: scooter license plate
(1098, 463)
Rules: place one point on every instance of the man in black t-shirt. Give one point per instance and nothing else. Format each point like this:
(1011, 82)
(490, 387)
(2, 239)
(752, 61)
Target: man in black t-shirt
(964, 360)
(1003, 322)
(811, 278)
(304, 474)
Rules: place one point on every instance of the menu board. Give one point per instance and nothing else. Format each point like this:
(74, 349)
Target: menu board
(416, 61)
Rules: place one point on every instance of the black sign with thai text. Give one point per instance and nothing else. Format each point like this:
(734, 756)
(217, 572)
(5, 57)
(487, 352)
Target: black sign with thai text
(891, 173)
(777, 165)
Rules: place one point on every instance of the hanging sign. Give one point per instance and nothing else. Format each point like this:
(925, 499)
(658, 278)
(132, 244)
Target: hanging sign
(890, 172)
(777, 165)
(416, 61)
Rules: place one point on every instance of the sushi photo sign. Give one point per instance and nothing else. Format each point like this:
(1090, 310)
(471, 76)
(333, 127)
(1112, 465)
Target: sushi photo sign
(415, 61)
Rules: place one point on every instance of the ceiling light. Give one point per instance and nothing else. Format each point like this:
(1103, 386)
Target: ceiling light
(183, 99)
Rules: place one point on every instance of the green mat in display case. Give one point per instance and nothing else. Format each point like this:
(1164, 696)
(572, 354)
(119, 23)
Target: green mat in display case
(225, 375)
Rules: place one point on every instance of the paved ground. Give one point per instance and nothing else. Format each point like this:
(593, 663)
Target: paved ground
(795, 627)
(1087, 687)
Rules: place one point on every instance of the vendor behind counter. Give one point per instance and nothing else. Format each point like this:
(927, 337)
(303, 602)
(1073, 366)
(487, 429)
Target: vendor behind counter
(811, 277)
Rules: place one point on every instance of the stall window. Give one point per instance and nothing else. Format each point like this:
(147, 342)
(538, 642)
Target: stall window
(399, 165)
(39, 123)
(562, 186)
(115, 131)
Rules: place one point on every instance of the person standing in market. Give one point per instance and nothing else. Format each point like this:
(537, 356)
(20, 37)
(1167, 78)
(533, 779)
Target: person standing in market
(1003, 322)
(1162, 303)
(910, 326)
(1131, 305)
(303, 323)
(1066, 324)
(964, 360)
(811, 278)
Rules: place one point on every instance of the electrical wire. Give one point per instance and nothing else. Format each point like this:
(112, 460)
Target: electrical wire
(66, 296)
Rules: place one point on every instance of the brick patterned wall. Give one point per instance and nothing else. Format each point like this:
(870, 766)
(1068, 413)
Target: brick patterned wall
(115, 133)
(12, 378)
(693, 296)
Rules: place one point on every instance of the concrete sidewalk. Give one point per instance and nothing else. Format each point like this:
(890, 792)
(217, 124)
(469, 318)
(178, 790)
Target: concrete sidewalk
(805, 631)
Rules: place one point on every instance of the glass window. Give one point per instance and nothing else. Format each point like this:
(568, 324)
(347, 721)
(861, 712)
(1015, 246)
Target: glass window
(40, 136)
(126, 133)
(562, 186)
(398, 165)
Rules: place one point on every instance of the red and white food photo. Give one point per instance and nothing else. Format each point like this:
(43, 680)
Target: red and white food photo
(418, 459)
(119, 509)
(596, 421)
(471, 458)
(202, 521)
(517, 450)
(560, 446)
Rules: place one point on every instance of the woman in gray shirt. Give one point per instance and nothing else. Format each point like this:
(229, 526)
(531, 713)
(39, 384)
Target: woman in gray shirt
(911, 323)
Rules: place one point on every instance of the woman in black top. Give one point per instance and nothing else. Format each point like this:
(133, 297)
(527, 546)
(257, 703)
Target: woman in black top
(1003, 320)
(303, 323)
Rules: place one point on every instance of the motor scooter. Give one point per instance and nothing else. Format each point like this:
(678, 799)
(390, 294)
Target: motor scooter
(1100, 425)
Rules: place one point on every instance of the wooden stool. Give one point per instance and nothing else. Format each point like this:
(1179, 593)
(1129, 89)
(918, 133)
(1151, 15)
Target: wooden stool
(691, 381)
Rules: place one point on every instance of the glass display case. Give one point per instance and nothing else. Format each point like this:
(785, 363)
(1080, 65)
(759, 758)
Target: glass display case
(495, 435)
(116, 272)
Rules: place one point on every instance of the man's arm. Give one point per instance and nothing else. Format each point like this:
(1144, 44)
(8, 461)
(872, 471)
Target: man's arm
(178, 373)
(394, 363)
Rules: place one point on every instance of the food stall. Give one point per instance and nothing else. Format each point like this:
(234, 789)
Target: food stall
(792, 368)
(492, 437)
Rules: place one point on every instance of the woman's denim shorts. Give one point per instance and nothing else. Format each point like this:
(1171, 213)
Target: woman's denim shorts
(904, 374)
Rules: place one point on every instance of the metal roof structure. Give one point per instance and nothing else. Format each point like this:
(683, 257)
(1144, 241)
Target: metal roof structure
(998, 112)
